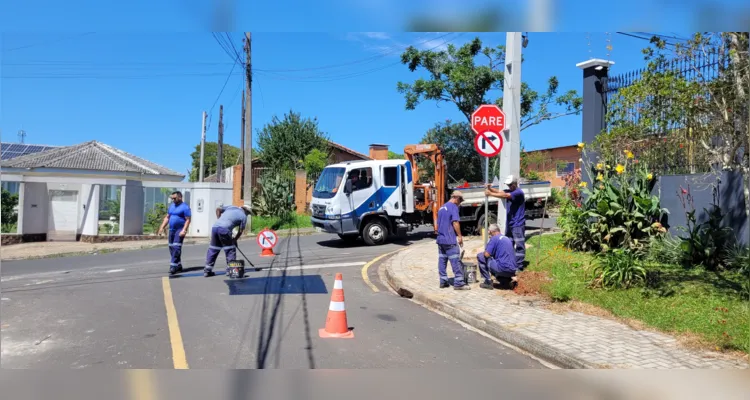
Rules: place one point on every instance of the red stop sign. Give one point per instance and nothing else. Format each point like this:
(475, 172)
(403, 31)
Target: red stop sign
(488, 117)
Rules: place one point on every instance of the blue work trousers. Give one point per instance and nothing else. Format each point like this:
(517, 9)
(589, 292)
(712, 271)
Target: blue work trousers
(175, 248)
(518, 235)
(490, 267)
(453, 253)
(221, 239)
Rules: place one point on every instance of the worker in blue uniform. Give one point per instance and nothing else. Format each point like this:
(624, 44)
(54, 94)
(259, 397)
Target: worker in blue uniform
(178, 219)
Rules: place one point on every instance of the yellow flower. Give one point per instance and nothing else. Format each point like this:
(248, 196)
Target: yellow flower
(620, 169)
(650, 176)
(599, 166)
(582, 184)
(581, 145)
(600, 177)
(629, 154)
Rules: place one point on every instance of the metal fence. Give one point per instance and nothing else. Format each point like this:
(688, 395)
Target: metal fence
(669, 145)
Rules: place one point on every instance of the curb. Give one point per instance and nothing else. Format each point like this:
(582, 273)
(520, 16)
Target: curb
(528, 344)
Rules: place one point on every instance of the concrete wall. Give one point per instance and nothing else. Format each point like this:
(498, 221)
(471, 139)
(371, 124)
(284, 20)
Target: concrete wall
(131, 208)
(32, 216)
(705, 189)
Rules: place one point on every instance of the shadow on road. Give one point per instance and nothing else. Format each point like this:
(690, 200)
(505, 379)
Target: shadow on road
(399, 241)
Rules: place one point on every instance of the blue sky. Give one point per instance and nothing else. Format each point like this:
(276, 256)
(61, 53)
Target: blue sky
(144, 93)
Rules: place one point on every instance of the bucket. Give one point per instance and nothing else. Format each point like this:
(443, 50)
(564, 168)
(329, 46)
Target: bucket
(470, 272)
(236, 269)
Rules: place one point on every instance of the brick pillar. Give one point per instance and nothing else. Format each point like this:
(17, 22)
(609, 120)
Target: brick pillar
(300, 190)
(237, 186)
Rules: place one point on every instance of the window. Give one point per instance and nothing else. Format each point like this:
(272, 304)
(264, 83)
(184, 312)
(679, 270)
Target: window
(564, 169)
(363, 178)
(390, 176)
(328, 183)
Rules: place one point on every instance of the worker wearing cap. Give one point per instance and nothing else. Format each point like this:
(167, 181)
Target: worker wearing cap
(515, 222)
(448, 240)
(229, 217)
(497, 259)
(178, 218)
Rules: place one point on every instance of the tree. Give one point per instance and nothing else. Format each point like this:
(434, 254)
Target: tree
(395, 156)
(284, 143)
(232, 156)
(688, 118)
(314, 163)
(462, 160)
(9, 203)
(455, 77)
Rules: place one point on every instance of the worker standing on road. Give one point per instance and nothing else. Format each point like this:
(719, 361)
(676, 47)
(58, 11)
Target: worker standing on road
(448, 234)
(229, 217)
(178, 218)
(497, 259)
(515, 222)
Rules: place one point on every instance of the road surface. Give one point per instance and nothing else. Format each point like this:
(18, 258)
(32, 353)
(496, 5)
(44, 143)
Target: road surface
(116, 310)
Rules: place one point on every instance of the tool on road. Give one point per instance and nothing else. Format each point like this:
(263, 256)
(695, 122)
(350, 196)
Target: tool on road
(243, 255)
(336, 324)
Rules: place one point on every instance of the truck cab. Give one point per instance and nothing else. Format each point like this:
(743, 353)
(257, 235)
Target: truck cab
(364, 198)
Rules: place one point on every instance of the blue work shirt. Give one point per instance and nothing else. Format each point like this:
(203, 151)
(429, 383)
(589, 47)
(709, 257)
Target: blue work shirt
(178, 213)
(446, 216)
(501, 250)
(231, 217)
(517, 210)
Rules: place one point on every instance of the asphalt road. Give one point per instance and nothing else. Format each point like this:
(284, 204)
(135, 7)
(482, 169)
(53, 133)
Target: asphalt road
(108, 311)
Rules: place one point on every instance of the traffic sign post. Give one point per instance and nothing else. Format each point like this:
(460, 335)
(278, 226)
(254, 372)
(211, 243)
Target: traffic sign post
(488, 122)
(267, 240)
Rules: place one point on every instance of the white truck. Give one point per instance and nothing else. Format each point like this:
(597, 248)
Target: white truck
(379, 199)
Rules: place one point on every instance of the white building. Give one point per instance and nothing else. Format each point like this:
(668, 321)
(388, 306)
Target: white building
(63, 189)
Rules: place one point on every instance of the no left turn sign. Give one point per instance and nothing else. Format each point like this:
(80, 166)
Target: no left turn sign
(488, 143)
(267, 239)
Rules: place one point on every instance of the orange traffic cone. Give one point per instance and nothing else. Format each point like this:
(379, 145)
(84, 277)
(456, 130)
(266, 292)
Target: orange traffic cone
(336, 325)
(267, 253)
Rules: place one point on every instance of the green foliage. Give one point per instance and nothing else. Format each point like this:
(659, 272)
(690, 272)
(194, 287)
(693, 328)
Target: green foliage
(665, 250)
(9, 202)
(463, 161)
(556, 197)
(704, 243)
(466, 75)
(314, 162)
(155, 216)
(112, 207)
(284, 143)
(621, 211)
(618, 268)
(290, 221)
(574, 222)
(274, 196)
(395, 156)
(231, 157)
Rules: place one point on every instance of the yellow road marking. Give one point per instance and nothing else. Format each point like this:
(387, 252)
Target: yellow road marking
(175, 337)
(141, 384)
(369, 264)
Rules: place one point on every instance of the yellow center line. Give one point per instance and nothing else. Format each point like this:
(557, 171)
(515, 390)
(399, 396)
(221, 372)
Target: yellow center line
(366, 278)
(141, 384)
(175, 337)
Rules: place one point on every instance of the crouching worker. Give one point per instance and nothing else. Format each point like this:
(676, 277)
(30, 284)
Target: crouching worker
(229, 217)
(498, 259)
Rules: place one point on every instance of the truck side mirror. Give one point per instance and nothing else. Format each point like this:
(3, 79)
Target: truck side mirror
(348, 187)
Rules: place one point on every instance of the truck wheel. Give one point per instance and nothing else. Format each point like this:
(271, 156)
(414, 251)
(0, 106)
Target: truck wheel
(375, 233)
(349, 239)
(480, 224)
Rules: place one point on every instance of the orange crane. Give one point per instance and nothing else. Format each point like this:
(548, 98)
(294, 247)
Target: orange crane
(434, 195)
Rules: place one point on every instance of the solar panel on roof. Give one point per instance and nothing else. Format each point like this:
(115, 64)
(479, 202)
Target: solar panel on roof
(13, 150)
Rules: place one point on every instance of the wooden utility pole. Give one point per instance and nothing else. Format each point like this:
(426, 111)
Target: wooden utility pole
(247, 165)
(220, 156)
(203, 146)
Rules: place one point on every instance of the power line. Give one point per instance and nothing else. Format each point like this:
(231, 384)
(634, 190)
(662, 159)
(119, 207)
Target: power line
(47, 42)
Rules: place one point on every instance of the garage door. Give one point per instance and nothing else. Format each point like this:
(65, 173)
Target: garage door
(63, 215)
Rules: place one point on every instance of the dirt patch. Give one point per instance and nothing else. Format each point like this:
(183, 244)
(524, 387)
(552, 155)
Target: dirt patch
(530, 283)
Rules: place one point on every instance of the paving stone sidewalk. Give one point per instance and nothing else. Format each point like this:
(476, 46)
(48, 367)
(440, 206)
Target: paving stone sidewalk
(570, 339)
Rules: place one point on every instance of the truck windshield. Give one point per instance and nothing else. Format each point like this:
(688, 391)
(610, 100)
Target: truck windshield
(329, 183)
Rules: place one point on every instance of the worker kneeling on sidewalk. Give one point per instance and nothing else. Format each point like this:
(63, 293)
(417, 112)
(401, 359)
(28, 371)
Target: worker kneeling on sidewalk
(229, 217)
(498, 259)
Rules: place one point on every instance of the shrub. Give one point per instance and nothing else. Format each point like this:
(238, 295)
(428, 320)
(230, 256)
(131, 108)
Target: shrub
(618, 268)
(665, 250)
(156, 215)
(705, 243)
(573, 221)
(9, 203)
(274, 196)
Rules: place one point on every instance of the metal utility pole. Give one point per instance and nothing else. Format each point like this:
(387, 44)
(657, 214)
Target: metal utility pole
(510, 156)
(203, 147)
(220, 156)
(242, 142)
(247, 165)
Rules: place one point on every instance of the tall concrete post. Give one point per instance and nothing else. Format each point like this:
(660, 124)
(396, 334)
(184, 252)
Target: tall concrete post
(595, 73)
(510, 156)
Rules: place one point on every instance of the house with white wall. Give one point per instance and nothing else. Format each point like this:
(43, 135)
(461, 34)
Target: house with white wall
(60, 188)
